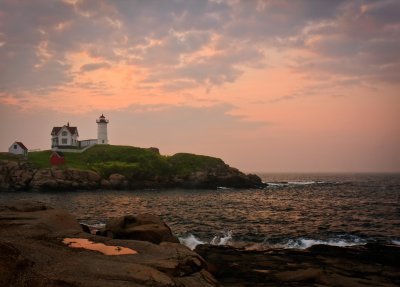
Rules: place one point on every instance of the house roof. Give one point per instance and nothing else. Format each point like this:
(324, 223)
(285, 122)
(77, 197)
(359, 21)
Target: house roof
(21, 145)
(57, 153)
(56, 130)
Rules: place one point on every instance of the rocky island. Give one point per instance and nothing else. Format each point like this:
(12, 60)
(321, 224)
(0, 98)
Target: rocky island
(120, 167)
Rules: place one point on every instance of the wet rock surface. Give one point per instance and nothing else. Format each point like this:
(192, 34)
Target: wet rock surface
(320, 265)
(144, 227)
(32, 253)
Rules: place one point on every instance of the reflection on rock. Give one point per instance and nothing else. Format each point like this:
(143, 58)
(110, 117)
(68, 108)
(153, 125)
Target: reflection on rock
(105, 249)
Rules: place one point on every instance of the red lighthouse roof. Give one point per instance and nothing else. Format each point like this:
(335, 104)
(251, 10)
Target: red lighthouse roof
(102, 119)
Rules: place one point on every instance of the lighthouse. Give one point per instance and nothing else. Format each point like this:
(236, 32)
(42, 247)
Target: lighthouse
(102, 123)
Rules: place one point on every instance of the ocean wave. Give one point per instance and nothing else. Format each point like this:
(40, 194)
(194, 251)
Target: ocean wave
(304, 243)
(223, 188)
(396, 242)
(289, 183)
(305, 182)
(192, 241)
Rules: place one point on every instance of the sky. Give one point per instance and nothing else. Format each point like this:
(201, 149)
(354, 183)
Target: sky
(274, 86)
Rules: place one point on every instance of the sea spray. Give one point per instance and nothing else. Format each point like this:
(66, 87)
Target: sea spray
(192, 241)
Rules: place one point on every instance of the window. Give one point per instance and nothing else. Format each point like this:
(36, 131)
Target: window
(15, 146)
(64, 133)
(102, 141)
(64, 141)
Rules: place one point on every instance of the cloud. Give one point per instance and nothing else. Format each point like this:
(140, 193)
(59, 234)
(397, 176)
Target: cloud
(181, 45)
(358, 42)
(94, 66)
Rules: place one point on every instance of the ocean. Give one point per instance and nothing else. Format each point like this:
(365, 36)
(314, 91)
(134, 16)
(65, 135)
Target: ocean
(294, 211)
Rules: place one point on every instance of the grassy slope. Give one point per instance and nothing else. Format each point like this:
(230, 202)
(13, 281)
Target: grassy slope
(127, 160)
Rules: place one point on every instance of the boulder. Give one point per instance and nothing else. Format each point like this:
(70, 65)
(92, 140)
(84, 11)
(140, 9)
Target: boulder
(33, 253)
(117, 181)
(145, 227)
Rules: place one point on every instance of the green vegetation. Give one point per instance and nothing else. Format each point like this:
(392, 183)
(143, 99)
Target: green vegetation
(183, 163)
(10, 156)
(40, 158)
(133, 162)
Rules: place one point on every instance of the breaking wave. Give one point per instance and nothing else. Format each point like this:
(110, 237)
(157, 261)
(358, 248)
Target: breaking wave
(192, 241)
(304, 243)
(396, 242)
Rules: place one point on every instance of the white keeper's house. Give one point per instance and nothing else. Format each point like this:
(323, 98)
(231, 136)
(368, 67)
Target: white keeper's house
(18, 148)
(65, 138)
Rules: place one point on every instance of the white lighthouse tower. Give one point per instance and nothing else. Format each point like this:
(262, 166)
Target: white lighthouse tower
(102, 123)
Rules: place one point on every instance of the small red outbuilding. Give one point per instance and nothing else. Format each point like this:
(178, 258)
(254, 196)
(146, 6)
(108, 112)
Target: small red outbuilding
(57, 158)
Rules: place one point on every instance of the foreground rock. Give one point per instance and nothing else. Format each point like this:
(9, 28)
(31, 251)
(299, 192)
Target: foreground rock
(32, 253)
(15, 176)
(320, 265)
(144, 227)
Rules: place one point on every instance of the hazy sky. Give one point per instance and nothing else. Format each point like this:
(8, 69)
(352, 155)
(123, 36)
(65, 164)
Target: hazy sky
(265, 85)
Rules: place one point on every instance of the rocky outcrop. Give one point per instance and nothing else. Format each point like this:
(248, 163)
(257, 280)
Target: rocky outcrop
(16, 176)
(33, 253)
(115, 181)
(64, 179)
(224, 176)
(144, 227)
(320, 265)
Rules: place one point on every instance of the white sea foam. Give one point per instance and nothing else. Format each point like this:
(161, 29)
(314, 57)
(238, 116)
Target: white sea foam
(192, 241)
(276, 184)
(301, 183)
(396, 242)
(303, 243)
(222, 240)
(97, 225)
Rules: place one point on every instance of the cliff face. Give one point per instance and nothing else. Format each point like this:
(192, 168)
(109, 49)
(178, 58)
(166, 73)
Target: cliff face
(16, 176)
